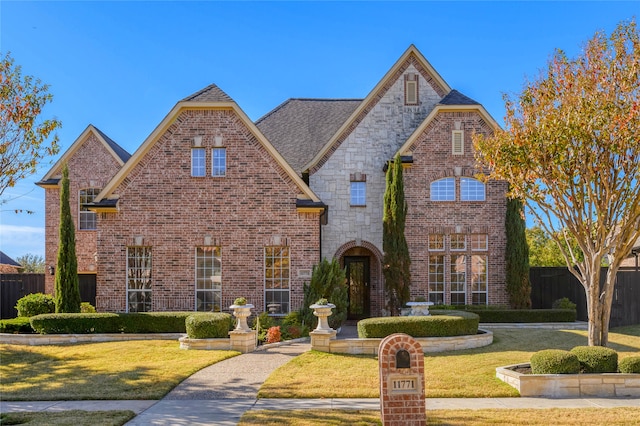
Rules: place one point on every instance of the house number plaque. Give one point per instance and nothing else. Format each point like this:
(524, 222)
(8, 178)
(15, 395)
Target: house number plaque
(399, 384)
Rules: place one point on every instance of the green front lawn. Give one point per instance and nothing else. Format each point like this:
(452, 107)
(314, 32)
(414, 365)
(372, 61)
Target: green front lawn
(70, 417)
(111, 370)
(455, 374)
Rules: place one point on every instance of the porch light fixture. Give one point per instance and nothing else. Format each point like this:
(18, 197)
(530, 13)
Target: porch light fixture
(51, 269)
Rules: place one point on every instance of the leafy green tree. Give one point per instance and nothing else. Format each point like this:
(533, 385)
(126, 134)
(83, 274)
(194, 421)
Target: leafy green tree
(328, 281)
(67, 286)
(31, 263)
(23, 141)
(544, 250)
(397, 275)
(517, 256)
(571, 150)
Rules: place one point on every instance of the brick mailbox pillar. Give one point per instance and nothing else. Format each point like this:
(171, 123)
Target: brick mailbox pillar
(401, 362)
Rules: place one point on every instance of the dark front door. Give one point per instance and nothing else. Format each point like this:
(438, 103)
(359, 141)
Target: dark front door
(358, 281)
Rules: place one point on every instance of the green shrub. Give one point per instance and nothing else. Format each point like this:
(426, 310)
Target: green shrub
(16, 325)
(240, 301)
(438, 324)
(78, 323)
(87, 308)
(563, 303)
(554, 361)
(327, 282)
(35, 304)
(208, 325)
(523, 315)
(630, 365)
(596, 359)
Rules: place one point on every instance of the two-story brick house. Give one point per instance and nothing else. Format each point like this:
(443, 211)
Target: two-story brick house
(213, 206)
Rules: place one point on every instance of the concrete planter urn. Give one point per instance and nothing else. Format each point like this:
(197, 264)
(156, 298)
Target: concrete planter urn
(242, 312)
(419, 308)
(323, 311)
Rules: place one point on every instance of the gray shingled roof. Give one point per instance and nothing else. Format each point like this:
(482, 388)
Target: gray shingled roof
(456, 98)
(299, 128)
(120, 152)
(6, 260)
(211, 93)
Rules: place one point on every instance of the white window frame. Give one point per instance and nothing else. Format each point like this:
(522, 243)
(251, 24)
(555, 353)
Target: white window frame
(457, 142)
(472, 190)
(139, 275)
(87, 218)
(458, 278)
(437, 278)
(479, 242)
(198, 162)
(443, 189)
(208, 279)
(479, 281)
(457, 240)
(274, 284)
(436, 242)
(358, 194)
(219, 162)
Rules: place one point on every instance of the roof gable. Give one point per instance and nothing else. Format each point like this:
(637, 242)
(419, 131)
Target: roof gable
(299, 128)
(410, 57)
(119, 154)
(210, 98)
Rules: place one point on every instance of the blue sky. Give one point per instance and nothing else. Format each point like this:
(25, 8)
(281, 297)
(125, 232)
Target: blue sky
(123, 65)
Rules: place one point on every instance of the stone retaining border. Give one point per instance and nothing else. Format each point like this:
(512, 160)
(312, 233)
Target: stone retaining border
(612, 385)
(60, 339)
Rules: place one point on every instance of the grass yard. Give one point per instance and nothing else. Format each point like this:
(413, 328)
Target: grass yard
(456, 374)
(542, 417)
(111, 370)
(72, 417)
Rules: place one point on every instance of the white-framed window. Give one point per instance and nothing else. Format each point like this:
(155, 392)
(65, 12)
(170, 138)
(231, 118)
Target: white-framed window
(358, 193)
(436, 242)
(458, 242)
(86, 218)
(479, 279)
(138, 279)
(219, 162)
(276, 279)
(208, 279)
(458, 279)
(457, 142)
(471, 190)
(478, 242)
(198, 162)
(411, 89)
(436, 279)
(443, 189)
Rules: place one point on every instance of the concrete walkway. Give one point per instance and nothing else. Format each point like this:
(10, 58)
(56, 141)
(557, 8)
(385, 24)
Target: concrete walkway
(221, 393)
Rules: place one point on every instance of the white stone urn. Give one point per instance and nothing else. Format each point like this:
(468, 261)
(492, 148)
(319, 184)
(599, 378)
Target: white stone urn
(419, 308)
(242, 312)
(323, 312)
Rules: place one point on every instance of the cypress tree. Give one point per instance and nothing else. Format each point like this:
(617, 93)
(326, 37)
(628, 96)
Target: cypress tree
(397, 262)
(67, 295)
(517, 256)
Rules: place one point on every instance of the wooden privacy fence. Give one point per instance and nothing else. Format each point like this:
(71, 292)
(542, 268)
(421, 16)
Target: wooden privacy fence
(551, 283)
(15, 286)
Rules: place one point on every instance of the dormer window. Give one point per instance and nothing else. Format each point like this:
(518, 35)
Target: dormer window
(411, 89)
(457, 142)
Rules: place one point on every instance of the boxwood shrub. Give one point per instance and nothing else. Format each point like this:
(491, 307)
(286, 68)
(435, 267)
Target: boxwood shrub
(438, 324)
(596, 359)
(16, 325)
(630, 365)
(554, 361)
(208, 325)
(524, 315)
(147, 322)
(35, 304)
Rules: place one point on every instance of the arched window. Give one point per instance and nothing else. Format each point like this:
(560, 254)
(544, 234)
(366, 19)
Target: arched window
(443, 190)
(87, 218)
(471, 190)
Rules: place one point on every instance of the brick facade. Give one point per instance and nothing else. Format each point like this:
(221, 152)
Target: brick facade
(253, 206)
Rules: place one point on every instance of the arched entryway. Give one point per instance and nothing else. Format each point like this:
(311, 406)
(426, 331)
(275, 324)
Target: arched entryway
(362, 263)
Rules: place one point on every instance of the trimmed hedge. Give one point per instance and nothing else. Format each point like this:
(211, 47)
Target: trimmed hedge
(35, 304)
(438, 324)
(208, 325)
(19, 325)
(143, 322)
(524, 315)
(554, 361)
(630, 365)
(596, 359)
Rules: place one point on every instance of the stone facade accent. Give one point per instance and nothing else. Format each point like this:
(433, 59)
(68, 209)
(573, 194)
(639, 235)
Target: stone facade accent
(250, 208)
